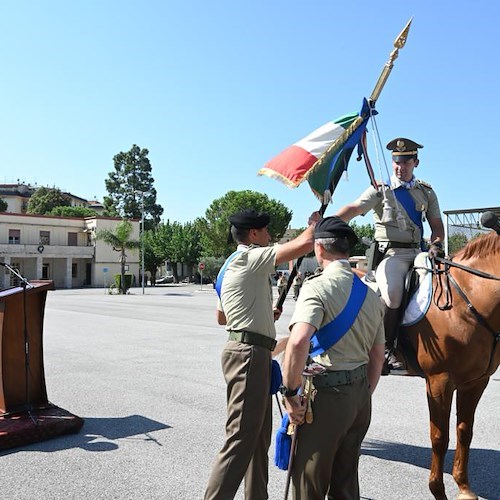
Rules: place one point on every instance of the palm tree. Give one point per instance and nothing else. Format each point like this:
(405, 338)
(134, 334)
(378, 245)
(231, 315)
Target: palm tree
(119, 240)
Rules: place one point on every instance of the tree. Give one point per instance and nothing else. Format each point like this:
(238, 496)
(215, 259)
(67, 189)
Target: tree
(185, 244)
(128, 184)
(3, 205)
(120, 240)
(44, 199)
(214, 227)
(362, 231)
(156, 242)
(73, 212)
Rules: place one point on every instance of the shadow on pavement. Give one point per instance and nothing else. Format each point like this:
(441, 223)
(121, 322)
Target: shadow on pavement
(94, 429)
(483, 464)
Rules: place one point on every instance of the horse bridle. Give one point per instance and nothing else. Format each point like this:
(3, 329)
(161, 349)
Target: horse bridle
(438, 272)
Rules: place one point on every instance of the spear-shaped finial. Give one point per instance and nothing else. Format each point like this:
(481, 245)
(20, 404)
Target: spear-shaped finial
(399, 43)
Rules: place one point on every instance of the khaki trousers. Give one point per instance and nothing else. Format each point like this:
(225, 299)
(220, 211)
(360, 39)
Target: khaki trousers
(391, 273)
(326, 461)
(247, 371)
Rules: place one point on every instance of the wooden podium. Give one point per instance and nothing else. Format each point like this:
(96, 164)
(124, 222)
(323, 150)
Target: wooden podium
(26, 415)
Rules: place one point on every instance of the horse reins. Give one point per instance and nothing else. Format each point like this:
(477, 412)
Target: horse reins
(449, 301)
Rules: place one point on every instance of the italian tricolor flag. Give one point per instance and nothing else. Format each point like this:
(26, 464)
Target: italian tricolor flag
(320, 157)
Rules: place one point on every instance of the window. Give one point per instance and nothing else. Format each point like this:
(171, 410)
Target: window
(14, 280)
(14, 236)
(44, 237)
(72, 239)
(74, 270)
(45, 271)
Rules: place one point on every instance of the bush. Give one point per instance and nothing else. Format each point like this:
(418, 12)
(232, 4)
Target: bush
(128, 281)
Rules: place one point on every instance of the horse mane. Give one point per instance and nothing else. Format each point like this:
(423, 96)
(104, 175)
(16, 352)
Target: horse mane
(481, 247)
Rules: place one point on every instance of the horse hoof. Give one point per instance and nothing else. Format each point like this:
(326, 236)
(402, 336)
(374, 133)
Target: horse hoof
(467, 496)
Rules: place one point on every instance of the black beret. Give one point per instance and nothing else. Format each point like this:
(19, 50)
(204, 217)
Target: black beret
(249, 219)
(334, 227)
(403, 149)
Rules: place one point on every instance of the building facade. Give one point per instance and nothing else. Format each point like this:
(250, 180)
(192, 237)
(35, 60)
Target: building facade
(62, 249)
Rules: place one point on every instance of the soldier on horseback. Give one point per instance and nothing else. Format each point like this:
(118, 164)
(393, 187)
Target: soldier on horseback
(400, 205)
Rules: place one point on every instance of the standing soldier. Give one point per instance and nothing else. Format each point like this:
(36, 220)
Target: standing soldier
(327, 454)
(398, 215)
(245, 308)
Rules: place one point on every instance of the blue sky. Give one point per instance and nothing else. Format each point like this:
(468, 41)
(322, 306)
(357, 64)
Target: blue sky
(216, 89)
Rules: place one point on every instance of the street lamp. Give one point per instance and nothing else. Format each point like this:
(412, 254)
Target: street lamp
(142, 193)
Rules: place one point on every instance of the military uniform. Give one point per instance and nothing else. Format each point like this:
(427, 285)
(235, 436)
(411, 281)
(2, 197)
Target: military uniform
(400, 241)
(246, 300)
(327, 454)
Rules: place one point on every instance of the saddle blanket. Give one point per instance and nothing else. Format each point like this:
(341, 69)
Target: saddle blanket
(421, 299)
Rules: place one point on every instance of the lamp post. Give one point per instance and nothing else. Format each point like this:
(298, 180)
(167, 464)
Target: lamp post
(142, 193)
(142, 243)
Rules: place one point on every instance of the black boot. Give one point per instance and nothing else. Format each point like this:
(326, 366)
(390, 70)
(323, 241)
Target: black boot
(391, 325)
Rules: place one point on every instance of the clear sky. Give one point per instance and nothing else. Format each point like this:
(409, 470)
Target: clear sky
(215, 89)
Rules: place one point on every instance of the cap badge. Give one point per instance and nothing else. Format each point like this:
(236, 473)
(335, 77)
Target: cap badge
(400, 145)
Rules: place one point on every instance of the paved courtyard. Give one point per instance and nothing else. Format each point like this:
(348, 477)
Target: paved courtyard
(144, 373)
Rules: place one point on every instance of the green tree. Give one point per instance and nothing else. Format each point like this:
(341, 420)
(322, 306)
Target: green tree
(3, 205)
(120, 240)
(44, 199)
(73, 212)
(456, 242)
(214, 227)
(128, 184)
(363, 231)
(156, 242)
(184, 246)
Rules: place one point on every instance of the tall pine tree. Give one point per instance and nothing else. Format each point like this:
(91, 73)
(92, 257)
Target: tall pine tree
(130, 181)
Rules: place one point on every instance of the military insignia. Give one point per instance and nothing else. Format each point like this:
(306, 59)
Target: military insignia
(400, 145)
(425, 184)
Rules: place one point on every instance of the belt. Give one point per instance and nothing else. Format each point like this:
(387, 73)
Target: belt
(397, 244)
(344, 377)
(252, 338)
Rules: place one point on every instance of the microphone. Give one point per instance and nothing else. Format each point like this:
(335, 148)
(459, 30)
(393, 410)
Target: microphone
(490, 220)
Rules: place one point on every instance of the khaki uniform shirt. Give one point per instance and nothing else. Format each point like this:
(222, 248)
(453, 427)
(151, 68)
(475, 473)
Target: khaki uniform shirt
(425, 201)
(322, 298)
(246, 294)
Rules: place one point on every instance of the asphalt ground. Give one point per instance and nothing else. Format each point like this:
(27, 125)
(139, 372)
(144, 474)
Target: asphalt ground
(144, 372)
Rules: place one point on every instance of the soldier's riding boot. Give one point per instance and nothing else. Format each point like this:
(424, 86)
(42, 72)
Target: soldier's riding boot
(391, 325)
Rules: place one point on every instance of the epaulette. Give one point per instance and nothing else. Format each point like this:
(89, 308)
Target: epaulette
(312, 276)
(381, 183)
(425, 184)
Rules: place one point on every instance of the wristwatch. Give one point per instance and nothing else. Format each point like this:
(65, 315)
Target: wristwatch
(288, 393)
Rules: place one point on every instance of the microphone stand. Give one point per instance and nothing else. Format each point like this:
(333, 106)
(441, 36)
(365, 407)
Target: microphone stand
(24, 284)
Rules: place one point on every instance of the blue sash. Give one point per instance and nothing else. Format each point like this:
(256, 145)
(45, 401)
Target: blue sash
(331, 333)
(220, 276)
(408, 203)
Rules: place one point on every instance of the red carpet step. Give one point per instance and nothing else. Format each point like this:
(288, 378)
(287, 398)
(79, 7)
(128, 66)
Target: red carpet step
(20, 429)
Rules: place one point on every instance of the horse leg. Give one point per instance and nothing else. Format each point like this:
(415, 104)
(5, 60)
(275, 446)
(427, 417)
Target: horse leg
(439, 397)
(467, 401)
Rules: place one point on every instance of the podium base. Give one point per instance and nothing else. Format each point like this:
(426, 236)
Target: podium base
(22, 428)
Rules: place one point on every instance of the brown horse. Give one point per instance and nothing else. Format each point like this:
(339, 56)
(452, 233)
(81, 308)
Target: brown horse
(456, 347)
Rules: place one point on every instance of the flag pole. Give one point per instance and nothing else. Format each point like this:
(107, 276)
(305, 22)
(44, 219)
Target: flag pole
(399, 43)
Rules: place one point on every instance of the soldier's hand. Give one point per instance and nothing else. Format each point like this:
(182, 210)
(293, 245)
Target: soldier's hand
(277, 313)
(436, 250)
(296, 409)
(313, 218)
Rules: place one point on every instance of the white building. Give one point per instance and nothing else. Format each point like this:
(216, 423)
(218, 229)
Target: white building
(62, 249)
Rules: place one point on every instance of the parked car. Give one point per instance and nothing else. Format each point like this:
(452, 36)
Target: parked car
(165, 280)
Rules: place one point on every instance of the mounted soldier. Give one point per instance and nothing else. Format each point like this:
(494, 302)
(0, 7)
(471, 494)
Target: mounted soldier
(400, 205)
